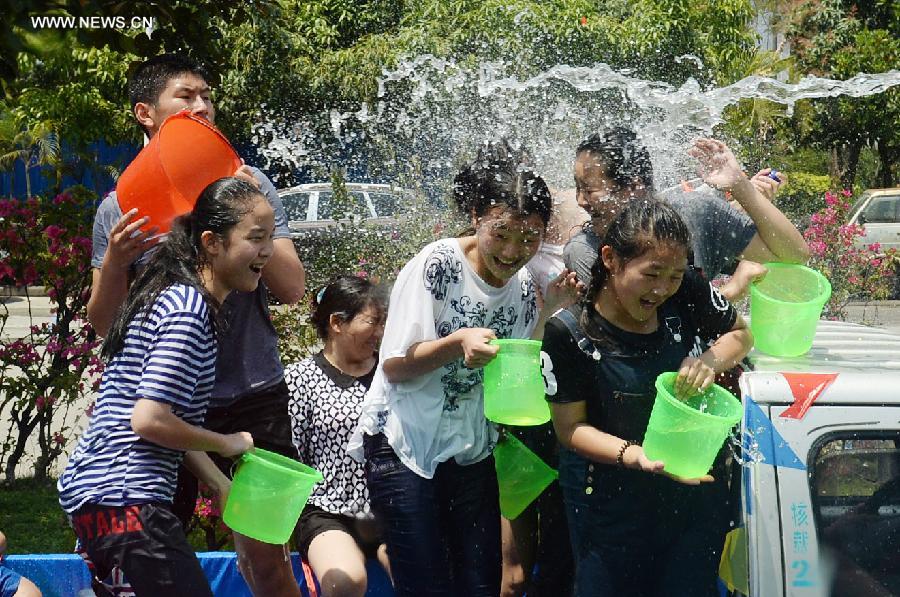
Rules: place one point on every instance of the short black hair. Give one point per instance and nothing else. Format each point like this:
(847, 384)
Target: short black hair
(500, 175)
(150, 78)
(624, 157)
(345, 297)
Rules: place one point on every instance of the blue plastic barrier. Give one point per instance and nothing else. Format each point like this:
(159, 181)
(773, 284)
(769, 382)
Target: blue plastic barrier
(64, 575)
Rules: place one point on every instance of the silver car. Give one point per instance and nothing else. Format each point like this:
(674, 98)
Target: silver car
(878, 211)
(309, 207)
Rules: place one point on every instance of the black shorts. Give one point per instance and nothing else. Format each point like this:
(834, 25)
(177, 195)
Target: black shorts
(147, 542)
(314, 521)
(264, 415)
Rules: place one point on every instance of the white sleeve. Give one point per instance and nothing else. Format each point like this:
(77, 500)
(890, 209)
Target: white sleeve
(417, 298)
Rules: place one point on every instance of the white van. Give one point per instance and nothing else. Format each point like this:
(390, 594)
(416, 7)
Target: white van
(821, 492)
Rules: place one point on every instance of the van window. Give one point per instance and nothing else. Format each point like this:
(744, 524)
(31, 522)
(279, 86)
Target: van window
(326, 204)
(856, 501)
(385, 204)
(295, 206)
(882, 210)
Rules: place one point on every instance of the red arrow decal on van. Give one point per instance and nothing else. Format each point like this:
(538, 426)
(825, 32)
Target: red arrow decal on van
(805, 387)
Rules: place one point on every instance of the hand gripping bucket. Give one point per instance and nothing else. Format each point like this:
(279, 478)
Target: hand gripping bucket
(267, 496)
(521, 475)
(687, 435)
(785, 307)
(183, 158)
(514, 385)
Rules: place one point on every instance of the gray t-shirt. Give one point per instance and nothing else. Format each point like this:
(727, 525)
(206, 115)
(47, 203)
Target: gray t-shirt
(248, 358)
(719, 233)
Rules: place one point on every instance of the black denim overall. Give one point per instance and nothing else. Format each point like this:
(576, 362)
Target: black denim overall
(636, 533)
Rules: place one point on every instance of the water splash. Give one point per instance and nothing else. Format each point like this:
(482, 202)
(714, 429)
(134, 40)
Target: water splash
(430, 113)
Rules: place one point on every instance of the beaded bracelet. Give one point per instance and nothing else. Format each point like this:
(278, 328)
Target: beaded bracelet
(620, 458)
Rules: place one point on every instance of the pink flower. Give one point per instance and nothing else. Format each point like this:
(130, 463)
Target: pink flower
(847, 193)
(54, 232)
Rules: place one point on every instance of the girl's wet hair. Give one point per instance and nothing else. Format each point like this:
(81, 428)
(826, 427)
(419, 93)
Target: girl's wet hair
(346, 297)
(499, 175)
(641, 224)
(179, 258)
(625, 159)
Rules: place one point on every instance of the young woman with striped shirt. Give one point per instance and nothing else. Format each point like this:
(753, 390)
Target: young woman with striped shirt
(161, 352)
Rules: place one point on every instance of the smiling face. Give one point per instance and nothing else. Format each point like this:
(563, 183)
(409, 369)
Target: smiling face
(235, 262)
(598, 194)
(505, 242)
(358, 339)
(186, 91)
(636, 288)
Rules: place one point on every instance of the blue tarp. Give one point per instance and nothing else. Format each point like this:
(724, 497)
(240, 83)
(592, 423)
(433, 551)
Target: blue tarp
(64, 575)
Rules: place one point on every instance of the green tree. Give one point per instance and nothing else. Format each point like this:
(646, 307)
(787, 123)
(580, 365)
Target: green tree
(37, 145)
(838, 39)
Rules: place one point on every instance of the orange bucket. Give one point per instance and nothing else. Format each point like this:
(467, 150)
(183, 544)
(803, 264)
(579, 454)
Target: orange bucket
(183, 158)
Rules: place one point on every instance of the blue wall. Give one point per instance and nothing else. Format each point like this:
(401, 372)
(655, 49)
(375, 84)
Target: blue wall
(119, 156)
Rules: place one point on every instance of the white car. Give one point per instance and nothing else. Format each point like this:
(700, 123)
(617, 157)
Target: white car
(878, 211)
(309, 207)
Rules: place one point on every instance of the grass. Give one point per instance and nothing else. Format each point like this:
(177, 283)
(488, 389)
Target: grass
(33, 522)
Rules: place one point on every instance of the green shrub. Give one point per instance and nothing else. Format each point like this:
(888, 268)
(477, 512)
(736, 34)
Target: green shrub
(801, 195)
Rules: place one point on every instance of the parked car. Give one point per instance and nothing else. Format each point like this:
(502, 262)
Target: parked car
(821, 488)
(310, 207)
(878, 211)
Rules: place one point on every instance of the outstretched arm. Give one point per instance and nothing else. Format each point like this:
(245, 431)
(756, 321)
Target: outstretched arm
(576, 434)
(777, 239)
(155, 422)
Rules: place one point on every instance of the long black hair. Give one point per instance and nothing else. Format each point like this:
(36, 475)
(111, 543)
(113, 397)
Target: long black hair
(628, 235)
(499, 175)
(346, 297)
(180, 257)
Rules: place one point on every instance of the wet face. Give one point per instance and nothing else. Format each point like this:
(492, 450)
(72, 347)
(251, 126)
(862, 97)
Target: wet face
(236, 262)
(506, 241)
(636, 288)
(598, 194)
(358, 339)
(183, 92)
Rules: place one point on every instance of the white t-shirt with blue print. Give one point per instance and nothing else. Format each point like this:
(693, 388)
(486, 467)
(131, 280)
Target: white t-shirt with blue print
(440, 415)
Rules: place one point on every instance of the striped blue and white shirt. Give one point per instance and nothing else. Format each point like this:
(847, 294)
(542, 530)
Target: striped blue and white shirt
(169, 356)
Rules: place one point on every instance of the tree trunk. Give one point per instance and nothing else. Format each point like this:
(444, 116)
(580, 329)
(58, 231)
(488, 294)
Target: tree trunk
(25, 429)
(844, 160)
(887, 155)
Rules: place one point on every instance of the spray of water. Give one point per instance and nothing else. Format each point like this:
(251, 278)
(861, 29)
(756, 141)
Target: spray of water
(431, 113)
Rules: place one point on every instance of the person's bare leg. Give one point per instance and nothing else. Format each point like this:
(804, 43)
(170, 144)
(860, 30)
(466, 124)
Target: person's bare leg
(339, 564)
(27, 589)
(519, 541)
(265, 567)
(384, 560)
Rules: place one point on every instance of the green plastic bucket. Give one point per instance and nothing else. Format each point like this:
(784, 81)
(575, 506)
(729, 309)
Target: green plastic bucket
(514, 385)
(785, 307)
(267, 495)
(687, 435)
(521, 475)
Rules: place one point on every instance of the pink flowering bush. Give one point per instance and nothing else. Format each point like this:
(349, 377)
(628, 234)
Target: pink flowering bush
(856, 271)
(54, 366)
(207, 520)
